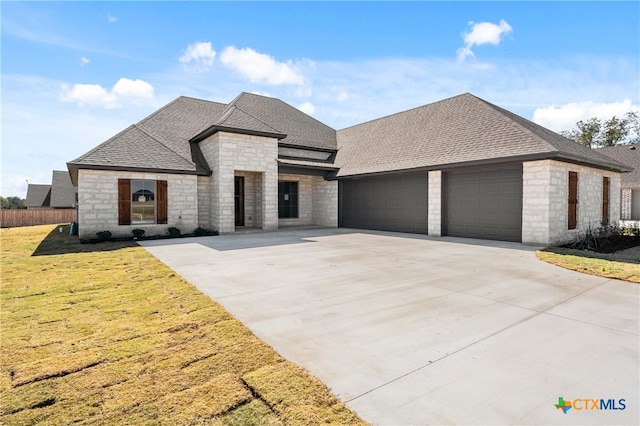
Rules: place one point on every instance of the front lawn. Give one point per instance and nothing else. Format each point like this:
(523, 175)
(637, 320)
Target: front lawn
(621, 265)
(106, 334)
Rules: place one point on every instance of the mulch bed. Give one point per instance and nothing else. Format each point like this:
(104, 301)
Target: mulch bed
(612, 245)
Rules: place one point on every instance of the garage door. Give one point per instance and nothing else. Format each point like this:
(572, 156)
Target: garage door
(635, 204)
(390, 203)
(484, 204)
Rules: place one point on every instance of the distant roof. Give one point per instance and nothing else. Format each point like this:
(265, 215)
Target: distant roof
(63, 193)
(38, 195)
(629, 155)
(461, 130)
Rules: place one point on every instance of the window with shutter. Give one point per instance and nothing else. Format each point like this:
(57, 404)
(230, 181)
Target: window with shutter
(573, 200)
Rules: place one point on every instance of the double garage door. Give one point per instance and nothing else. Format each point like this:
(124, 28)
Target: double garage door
(480, 203)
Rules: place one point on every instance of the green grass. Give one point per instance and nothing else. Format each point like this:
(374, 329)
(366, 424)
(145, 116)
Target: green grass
(106, 334)
(622, 265)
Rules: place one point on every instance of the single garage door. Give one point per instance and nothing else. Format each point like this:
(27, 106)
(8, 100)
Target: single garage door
(389, 203)
(484, 203)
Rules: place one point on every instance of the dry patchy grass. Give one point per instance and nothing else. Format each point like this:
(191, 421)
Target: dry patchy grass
(622, 265)
(106, 334)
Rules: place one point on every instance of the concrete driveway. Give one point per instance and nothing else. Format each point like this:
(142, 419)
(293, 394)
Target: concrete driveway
(409, 329)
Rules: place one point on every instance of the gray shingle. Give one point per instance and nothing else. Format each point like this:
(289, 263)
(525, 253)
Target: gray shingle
(299, 128)
(38, 195)
(63, 193)
(458, 130)
(629, 155)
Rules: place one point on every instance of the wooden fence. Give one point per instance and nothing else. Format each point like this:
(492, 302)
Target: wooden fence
(22, 217)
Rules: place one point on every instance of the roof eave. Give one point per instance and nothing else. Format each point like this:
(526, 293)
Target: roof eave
(514, 159)
(73, 170)
(215, 129)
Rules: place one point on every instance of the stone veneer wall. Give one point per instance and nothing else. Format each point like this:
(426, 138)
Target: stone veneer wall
(98, 202)
(625, 204)
(434, 218)
(229, 153)
(545, 201)
(325, 202)
(204, 200)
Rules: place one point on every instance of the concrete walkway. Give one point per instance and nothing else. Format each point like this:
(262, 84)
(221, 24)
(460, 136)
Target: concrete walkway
(409, 329)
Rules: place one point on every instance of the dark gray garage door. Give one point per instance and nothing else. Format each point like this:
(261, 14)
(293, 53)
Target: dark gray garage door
(484, 204)
(390, 203)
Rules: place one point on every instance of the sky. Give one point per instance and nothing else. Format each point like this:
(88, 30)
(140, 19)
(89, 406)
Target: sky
(73, 74)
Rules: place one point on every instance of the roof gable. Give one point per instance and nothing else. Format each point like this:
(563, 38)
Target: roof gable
(38, 195)
(63, 193)
(300, 129)
(458, 130)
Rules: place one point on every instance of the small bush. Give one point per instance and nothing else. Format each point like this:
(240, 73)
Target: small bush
(588, 241)
(174, 232)
(138, 233)
(201, 231)
(103, 235)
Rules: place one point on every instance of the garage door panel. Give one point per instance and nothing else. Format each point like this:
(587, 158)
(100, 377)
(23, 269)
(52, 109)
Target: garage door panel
(391, 203)
(485, 204)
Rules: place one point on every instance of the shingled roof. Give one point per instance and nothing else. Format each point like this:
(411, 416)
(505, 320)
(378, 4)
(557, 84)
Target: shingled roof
(462, 130)
(63, 193)
(262, 114)
(629, 155)
(38, 195)
(167, 139)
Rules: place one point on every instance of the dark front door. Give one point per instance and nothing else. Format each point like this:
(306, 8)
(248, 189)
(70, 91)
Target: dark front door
(239, 200)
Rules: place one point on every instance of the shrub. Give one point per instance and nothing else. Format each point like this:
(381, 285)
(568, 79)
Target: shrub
(174, 232)
(103, 235)
(200, 232)
(138, 233)
(587, 241)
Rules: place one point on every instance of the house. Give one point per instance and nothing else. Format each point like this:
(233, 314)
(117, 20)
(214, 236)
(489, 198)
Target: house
(61, 194)
(38, 196)
(461, 167)
(630, 182)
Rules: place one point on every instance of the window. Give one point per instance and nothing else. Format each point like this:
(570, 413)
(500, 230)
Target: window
(605, 201)
(142, 201)
(287, 199)
(573, 200)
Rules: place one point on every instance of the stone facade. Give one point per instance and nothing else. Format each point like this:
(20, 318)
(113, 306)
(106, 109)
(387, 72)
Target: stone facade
(545, 201)
(434, 219)
(230, 155)
(98, 202)
(625, 204)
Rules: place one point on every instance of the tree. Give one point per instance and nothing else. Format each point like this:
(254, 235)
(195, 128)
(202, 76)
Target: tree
(594, 133)
(12, 203)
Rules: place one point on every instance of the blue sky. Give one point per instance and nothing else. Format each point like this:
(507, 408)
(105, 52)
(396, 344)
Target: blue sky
(75, 73)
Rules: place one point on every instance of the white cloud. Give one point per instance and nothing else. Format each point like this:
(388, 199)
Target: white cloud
(84, 61)
(96, 95)
(482, 33)
(307, 108)
(137, 89)
(342, 96)
(112, 19)
(261, 68)
(566, 116)
(198, 56)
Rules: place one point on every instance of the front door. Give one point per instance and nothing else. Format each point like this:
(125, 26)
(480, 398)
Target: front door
(239, 200)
